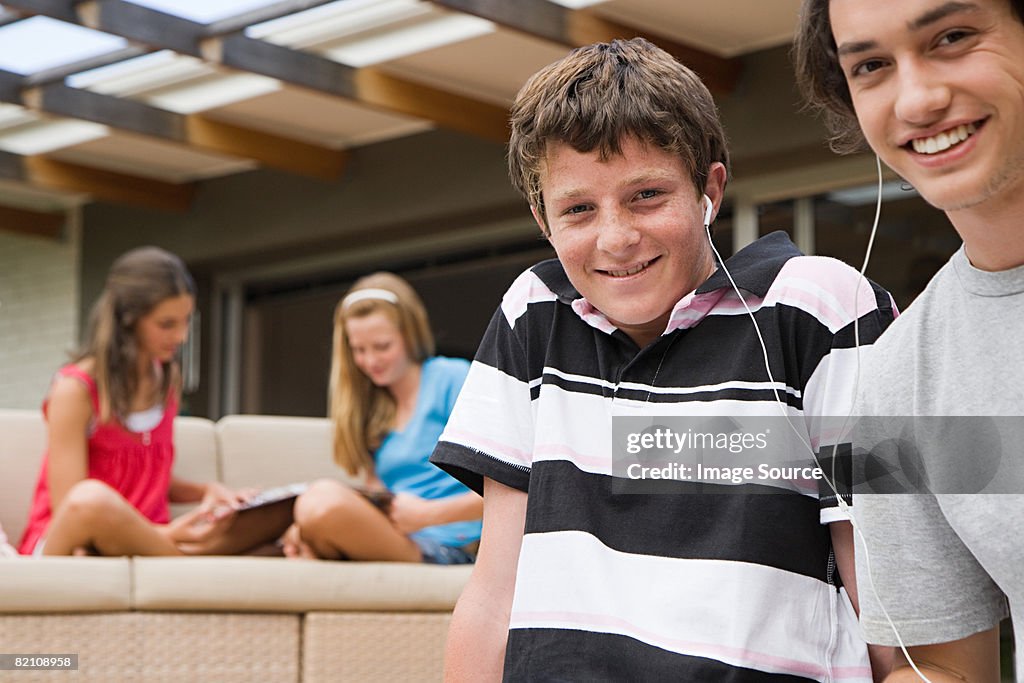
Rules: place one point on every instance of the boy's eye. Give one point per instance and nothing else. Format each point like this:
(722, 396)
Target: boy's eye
(867, 67)
(953, 36)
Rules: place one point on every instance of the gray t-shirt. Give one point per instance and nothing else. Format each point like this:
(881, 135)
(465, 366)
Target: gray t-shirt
(944, 566)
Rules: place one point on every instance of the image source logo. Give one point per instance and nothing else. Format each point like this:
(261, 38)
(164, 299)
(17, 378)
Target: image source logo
(761, 455)
(893, 455)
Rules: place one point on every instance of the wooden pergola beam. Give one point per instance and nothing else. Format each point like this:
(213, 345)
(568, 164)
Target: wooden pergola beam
(582, 27)
(146, 25)
(195, 130)
(109, 186)
(153, 27)
(536, 17)
(271, 150)
(28, 222)
(117, 188)
(10, 87)
(57, 9)
(719, 74)
(448, 110)
(259, 15)
(224, 43)
(369, 85)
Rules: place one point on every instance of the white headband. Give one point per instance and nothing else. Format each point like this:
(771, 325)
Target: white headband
(370, 293)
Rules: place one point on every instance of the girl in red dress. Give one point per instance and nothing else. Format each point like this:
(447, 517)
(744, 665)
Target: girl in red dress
(106, 480)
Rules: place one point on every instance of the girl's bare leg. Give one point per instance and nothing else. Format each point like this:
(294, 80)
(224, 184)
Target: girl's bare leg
(96, 517)
(338, 523)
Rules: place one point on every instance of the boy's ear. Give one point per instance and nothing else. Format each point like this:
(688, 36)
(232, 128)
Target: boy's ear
(539, 217)
(714, 188)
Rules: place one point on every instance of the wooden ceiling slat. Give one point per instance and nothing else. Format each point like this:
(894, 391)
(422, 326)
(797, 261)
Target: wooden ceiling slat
(582, 27)
(234, 49)
(142, 24)
(109, 186)
(272, 150)
(367, 85)
(10, 87)
(225, 43)
(719, 74)
(196, 131)
(535, 17)
(117, 188)
(125, 114)
(446, 109)
(27, 222)
(58, 9)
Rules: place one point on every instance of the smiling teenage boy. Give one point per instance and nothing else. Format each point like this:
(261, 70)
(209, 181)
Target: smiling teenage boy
(620, 153)
(936, 88)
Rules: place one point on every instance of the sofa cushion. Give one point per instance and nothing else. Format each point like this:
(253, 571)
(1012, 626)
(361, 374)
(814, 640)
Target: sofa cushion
(262, 450)
(24, 441)
(65, 584)
(272, 584)
(195, 453)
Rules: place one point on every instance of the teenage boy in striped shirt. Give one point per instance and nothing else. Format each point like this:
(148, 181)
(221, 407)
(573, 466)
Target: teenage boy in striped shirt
(619, 150)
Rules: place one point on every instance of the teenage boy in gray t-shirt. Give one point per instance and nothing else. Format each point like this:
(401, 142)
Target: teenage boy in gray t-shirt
(936, 89)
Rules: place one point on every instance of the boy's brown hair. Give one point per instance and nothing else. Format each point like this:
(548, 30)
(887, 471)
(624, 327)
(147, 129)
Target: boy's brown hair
(600, 94)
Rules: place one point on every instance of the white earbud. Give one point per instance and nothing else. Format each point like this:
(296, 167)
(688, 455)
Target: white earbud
(707, 212)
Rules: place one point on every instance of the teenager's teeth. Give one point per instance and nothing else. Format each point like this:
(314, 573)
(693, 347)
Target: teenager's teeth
(631, 271)
(944, 140)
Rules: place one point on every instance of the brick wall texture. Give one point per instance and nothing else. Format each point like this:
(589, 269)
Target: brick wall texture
(39, 295)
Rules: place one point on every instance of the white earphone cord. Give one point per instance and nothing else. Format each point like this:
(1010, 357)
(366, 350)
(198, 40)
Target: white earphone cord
(856, 380)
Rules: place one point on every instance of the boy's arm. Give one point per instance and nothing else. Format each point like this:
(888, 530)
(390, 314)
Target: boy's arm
(479, 628)
(974, 658)
(842, 545)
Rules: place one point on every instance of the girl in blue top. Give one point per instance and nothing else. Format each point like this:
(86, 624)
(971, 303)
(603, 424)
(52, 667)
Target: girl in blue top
(389, 401)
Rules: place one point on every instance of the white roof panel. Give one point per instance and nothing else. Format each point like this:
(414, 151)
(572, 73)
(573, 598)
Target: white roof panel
(40, 43)
(204, 11)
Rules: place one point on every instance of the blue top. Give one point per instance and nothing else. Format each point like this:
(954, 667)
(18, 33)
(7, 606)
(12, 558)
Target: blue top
(402, 460)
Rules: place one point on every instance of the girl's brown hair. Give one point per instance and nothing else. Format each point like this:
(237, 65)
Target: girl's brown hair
(137, 282)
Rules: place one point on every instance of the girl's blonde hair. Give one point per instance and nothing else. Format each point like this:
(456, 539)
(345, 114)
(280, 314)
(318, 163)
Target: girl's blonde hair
(362, 413)
(138, 281)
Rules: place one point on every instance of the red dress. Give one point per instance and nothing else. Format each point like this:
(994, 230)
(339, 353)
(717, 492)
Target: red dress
(136, 465)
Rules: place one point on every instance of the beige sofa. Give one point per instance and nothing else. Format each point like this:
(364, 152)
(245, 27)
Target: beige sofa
(218, 618)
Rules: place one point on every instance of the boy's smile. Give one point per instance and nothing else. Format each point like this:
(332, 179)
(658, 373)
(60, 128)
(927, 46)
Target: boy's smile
(938, 88)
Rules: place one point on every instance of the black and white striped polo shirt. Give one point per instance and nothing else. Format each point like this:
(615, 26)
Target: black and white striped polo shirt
(705, 587)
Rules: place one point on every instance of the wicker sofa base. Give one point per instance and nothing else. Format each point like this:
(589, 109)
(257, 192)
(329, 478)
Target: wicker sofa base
(219, 619)
(175, 647)
(160, 647)
(373, 646)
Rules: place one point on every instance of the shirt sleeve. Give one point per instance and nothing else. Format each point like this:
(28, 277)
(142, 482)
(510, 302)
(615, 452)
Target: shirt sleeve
(921, 573)
(490, 432)
(852, 313)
